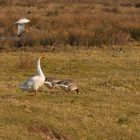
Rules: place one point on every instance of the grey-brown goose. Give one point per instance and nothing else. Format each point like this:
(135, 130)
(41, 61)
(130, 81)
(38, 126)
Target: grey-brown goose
(51, 82)
(68, 85)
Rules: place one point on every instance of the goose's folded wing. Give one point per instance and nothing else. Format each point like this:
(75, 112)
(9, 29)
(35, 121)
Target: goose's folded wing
(65, 82)
(53, 80)
(62, 86)
(26, 84)
(29, 82)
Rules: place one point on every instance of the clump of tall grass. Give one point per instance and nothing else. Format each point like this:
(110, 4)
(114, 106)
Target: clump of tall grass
(25, 62)
(137, 5)
(4, 2)
(127, 4)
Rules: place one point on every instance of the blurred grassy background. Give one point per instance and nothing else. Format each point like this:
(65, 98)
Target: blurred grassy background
(73, 22)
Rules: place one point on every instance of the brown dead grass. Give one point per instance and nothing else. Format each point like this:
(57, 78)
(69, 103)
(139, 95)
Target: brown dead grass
(107, 106)
(88, 23)
(46, 134)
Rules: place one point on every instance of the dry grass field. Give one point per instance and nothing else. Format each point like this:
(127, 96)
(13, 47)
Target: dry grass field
(107, 108)
(73, 22)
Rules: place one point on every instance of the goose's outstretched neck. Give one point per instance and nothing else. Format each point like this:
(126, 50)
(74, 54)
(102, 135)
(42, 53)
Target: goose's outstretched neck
(38, 68)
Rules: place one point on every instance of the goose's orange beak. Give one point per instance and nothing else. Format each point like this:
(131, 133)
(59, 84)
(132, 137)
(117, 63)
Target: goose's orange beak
(41, 57)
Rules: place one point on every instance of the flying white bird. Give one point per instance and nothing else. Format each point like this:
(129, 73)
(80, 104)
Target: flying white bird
(33, 83)
(21, 25)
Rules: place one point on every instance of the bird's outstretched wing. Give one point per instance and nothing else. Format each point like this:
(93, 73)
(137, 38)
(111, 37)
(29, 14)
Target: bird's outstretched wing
(23, 21)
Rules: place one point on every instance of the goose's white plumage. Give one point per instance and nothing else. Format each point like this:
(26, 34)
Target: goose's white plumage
(33, 83)
(21, 25)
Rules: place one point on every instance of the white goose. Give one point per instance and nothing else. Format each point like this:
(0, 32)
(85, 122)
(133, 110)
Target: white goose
(68, 85)
(33, 83)
(21, 25)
